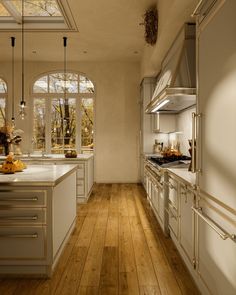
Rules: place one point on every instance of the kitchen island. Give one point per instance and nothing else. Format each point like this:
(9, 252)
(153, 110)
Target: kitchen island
(37, 215)
(84, 174)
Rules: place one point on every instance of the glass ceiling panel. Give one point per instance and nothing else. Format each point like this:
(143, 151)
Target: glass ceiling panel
(3, 86)
(3, 11)
(37, 7)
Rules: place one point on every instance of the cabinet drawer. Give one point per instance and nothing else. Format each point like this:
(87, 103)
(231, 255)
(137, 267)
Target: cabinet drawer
(80, 187)
(23, 216)
(22, 243)
(20, 198)
(173, 220)
(80, 171)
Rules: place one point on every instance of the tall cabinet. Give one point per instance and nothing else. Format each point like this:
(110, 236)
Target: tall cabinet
(147, 136)
(215, 212)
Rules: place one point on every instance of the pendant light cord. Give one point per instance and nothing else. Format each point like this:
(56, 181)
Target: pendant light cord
(13, 78)
(22, 52)
(65, 45)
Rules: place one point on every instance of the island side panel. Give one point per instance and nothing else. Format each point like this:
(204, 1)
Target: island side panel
(63, 212)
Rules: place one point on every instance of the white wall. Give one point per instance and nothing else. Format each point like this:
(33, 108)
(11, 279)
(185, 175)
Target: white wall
(117, 113)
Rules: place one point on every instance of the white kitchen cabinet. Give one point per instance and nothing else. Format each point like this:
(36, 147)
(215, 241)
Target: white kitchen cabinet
(35, 222)
(216, 141)
(216, 245)
(84, 174)
(186, 222)
(155, 193)
(164, 123)
(147, 137)
(173, 206)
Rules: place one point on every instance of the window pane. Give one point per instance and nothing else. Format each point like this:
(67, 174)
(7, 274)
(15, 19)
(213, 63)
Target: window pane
(37, 7)
(41, 85)
(85, 85)
(3, 11)
(3, 86)
(39, 125)
(57, 83)
(87, 124)
(2, 111)
(63, 124)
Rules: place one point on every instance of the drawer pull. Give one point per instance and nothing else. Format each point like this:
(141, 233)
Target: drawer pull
(20, 218)
(20, 236)
(79, 184)
(217, 228)
(35, 199)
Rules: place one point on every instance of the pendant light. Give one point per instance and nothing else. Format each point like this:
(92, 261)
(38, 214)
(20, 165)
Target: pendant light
(13, 81)
(65, 70)
(22, 112)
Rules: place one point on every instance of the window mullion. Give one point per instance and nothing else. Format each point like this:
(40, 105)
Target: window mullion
(48, 104)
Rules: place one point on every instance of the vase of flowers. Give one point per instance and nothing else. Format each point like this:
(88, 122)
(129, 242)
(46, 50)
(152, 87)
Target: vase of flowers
(9, 137)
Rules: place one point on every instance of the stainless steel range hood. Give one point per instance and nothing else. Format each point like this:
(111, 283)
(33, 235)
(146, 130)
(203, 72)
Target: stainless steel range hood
(176, 87)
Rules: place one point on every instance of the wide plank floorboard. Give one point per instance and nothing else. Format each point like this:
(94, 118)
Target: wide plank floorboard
(117, 248)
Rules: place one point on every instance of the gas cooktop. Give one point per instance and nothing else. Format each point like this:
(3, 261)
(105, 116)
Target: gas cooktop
(170, 161)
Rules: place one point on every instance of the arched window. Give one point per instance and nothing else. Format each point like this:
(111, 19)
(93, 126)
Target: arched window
(61, 124)
(3, 96)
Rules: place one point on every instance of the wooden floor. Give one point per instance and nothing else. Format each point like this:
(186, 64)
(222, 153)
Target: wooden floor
(116, 248)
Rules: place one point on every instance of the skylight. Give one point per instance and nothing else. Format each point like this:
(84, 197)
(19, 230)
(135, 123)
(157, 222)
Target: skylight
(38, 14)
(3, 11)
(37, 7)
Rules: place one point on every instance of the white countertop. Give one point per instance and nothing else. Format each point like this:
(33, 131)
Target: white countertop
(184, 174)
(37, 175)
(50, 157)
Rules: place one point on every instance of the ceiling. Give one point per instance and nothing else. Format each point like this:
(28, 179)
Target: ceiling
(108, 30)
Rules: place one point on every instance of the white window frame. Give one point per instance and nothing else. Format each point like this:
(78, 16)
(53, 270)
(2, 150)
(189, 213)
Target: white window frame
(48, 100)
(39, 23)
(5, 96)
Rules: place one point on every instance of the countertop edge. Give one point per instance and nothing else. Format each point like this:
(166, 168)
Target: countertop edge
(42, 183)
(181, 178)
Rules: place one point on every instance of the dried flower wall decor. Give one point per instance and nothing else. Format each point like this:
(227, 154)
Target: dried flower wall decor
(151, 25)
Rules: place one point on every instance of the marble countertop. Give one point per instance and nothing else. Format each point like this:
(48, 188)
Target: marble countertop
(184, 174)
(51, 157)
(37, 175)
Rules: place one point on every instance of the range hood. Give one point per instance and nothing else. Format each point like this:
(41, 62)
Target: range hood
(176, 86)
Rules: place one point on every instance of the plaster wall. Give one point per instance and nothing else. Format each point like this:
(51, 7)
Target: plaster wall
(116, 119)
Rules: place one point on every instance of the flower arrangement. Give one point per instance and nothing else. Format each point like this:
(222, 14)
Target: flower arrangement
(9, 136)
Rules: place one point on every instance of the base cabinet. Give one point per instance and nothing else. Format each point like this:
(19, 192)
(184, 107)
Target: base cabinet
(84, 173)
(154, 186)
(187, 222)
(35, 224)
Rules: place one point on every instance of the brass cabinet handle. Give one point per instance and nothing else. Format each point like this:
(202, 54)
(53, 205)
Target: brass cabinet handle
(19, 218)
(34, 199)
(221, 232)
(20, 236)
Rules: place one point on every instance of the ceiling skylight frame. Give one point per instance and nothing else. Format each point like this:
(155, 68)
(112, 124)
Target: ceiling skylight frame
(65, 22)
